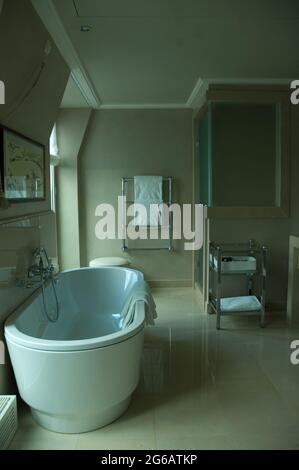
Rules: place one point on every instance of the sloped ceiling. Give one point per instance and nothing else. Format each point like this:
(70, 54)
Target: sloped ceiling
(143, 52)
(72, 96)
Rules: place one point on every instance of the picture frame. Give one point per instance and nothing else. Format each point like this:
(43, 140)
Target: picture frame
(23, 167)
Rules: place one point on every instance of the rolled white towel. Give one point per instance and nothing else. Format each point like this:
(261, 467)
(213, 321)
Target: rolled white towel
(139, 292)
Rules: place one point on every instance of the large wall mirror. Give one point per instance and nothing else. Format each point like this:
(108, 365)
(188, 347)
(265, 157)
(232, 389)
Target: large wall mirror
(244, 162)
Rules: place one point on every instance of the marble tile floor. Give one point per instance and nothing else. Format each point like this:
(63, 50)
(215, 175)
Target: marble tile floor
(200, 388)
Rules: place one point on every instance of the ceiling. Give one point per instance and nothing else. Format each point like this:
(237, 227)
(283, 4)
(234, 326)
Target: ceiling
(73, 98)
(152, 52)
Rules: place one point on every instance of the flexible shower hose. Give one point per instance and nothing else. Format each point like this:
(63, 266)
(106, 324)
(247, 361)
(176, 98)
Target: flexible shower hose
(49, 317)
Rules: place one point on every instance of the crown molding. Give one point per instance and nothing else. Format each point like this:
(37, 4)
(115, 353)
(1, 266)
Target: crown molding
(145, 106)
(197, 96)
(196, 92)
(249, 81)
(51, 19)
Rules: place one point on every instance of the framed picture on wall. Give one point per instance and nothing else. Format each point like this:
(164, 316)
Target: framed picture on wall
(22, 167)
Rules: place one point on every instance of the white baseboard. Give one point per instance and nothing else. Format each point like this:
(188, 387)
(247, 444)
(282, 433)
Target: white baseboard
(170, 283)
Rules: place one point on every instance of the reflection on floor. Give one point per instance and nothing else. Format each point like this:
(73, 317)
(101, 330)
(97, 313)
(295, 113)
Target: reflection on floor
(200, 388)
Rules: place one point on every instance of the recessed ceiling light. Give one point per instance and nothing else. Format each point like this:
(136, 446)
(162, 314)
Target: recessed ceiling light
(85, 28)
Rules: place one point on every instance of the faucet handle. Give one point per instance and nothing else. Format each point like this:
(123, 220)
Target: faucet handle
(37, 253)
(34, 271)
(24, 284)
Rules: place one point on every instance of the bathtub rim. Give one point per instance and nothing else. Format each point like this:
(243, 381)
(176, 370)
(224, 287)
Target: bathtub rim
(15, 336)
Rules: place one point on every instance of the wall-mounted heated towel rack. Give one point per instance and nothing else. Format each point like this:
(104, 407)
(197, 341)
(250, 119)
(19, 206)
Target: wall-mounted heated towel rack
(168, 191)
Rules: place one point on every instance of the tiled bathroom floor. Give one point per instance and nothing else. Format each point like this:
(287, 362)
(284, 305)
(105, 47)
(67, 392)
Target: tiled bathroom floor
(200, 388)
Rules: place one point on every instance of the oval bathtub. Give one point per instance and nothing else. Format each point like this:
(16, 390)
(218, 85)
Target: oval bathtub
(78, 373)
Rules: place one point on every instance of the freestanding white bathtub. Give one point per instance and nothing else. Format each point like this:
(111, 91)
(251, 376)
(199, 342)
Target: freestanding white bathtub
(78, 374)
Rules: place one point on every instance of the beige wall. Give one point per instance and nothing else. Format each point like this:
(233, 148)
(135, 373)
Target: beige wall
(22, 40)
(294, 222)
(71, 128)
(127, 143)
(295, 170)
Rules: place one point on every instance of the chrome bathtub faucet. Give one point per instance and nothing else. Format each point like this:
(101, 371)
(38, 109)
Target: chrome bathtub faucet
(43, 266)
(39, 272)
(37, 276)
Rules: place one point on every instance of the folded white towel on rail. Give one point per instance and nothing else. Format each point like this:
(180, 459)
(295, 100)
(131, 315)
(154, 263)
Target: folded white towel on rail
(147, 198)
(139, 292)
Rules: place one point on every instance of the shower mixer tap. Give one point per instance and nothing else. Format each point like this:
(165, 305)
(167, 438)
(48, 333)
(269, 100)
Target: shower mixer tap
(39, 272)
(42, 267)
